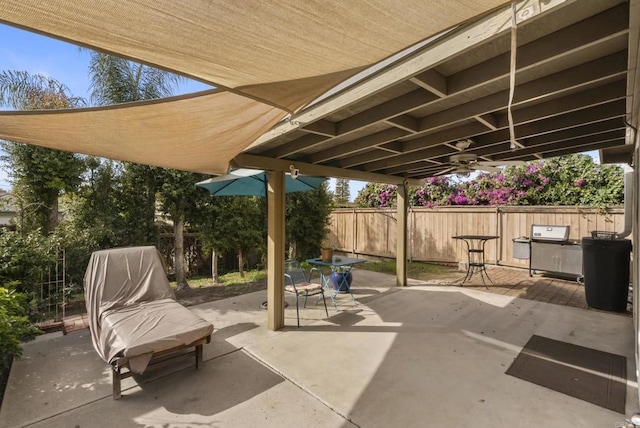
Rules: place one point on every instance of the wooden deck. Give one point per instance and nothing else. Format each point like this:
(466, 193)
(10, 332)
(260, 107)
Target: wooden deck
(540, 287)
(518, 283)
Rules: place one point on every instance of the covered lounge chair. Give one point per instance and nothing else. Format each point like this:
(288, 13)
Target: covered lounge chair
(134, 318)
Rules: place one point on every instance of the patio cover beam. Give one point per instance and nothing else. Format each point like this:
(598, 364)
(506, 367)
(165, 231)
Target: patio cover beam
(259, 162)
(527, 129)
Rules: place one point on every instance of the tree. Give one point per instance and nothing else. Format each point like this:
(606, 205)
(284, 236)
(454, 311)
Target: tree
(376, 195)
(179, 198)
(238, 223)
(342, 194)
(208, 236)
(116, 80)
(98, 206)
(39, 175)
(567, 180)
(234, 223)
(578, 180)
(307, 214)
(23, 91)
(140, 186)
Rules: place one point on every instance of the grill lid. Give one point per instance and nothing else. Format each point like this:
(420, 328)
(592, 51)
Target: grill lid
(549, 233)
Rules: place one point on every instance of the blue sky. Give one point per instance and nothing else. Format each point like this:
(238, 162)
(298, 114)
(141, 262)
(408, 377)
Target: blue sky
(24, 51)
(67, 63)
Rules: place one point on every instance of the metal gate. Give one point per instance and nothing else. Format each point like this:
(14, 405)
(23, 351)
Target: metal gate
(53, 289)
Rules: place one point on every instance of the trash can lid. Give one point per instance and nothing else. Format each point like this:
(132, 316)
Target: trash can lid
(612, 244)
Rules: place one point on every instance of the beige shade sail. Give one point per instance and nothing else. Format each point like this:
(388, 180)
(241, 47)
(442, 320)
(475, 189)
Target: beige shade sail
(282, 53)
(293, 44)
(199, 133)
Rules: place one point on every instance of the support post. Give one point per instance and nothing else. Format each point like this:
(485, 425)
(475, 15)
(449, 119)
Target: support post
(275, 250)
(635, 275)
(401, 236)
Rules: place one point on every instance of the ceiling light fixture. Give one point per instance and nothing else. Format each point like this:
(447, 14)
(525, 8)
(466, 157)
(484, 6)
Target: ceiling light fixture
(464, 144)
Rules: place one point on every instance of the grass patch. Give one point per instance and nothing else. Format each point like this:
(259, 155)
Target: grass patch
(231, 278)
(415, 270)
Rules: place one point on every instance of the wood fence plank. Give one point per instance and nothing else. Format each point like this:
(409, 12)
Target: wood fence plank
(374, 231)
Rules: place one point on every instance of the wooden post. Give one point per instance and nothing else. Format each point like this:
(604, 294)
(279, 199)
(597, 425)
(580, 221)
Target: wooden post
(401, 237)
(635, 275)
(275, 250)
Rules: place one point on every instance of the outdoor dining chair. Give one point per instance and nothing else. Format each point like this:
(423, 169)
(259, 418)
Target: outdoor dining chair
(297, 284)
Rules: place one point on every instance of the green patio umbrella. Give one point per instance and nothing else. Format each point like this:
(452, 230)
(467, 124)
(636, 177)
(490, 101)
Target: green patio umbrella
(253, 182)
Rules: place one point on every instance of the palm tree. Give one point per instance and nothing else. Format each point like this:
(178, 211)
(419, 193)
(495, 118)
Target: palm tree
(116, 80)
(39, 174)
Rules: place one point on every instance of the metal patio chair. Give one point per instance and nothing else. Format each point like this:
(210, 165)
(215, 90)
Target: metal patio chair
(297, 284)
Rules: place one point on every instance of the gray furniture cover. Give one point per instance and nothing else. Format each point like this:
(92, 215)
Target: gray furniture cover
(132, 309)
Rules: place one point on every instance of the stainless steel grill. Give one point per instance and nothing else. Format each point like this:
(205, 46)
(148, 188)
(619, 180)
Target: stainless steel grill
(542, 233)
(551, 251)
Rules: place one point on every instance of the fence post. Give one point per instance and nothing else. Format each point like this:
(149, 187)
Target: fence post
(401, 236)
(354, 233)
(411, 229)
(499, 231)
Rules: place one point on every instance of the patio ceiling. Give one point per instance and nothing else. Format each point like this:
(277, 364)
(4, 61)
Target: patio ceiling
(576, 84)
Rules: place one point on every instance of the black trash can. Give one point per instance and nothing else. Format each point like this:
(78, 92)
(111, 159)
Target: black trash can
(605, 266)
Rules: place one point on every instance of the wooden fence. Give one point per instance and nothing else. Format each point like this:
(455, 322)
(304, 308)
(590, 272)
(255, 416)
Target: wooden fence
(372, 232)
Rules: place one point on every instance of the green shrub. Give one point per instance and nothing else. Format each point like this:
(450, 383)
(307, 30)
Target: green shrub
(26, 260)
(14, 325)
(23, 257)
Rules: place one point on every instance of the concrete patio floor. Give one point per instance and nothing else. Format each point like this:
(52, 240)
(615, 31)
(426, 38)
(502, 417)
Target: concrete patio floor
(426, 355)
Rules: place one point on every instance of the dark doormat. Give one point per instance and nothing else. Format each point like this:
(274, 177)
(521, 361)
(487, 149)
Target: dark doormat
(588, 374)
